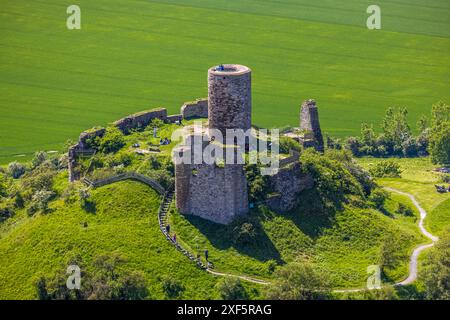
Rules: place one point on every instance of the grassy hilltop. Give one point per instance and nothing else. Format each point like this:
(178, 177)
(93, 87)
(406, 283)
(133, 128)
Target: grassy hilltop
(132, 55)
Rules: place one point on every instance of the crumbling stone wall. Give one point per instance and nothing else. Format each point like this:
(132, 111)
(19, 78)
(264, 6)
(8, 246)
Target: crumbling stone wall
(216, 193)
(287, 184)
(310, 125)
(196, 109)
(140, 120)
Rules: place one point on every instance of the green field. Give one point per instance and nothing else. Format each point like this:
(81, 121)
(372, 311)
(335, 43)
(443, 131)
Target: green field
(132, 55)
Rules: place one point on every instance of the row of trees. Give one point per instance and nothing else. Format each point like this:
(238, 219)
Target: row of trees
(396, 137)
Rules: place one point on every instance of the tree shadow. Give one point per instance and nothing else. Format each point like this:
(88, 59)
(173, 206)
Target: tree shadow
(89, 206)
(222, 237)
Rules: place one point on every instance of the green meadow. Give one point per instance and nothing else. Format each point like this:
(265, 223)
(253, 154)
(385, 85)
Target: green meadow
(132, 55)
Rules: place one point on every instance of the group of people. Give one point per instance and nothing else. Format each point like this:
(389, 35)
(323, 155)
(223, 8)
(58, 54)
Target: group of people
(442, 189)
(174, 239)
(163, 142)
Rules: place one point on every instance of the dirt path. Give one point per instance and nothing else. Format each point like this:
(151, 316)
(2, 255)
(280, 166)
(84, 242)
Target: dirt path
(413, 261)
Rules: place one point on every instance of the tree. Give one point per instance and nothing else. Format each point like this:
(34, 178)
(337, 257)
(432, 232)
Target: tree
(231, 289)
(41, 199)
(439, 147)
(244, 234)
(437, 270)
(386, 169)
(439, 144)
(16, 169)
(39, 158)
(299, 281)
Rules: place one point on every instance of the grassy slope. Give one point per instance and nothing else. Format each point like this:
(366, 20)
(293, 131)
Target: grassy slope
(343, 248)
(419, 180)
(55, 82)
(125, 223)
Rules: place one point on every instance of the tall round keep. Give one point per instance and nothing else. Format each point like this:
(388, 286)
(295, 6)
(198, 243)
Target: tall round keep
(229, 97)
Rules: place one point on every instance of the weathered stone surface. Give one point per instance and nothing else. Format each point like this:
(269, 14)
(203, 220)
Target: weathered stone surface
(174, 118)
(196, 109)
(287, 184)
(214, 193)
(89, 135)
(229, 98)
(140, 120)
(309, 123)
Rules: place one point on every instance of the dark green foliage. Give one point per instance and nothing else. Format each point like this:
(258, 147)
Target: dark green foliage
(172, 287)
(231, 289)
(386, 169)
(299, 281)
(333, 180)
(389, 256)
(244, 234)
(437, 270)
(378, 197)
(396, 138)
(286, 144)
(39, 158)
(6, 212)
(104, 282)
(404, 210)
(16, 169)
(112, 141)
(258, 185)
(333, 143)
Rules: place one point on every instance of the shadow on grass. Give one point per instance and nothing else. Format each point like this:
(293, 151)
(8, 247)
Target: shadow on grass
(311, 215)
(89, 206)
(222, 238)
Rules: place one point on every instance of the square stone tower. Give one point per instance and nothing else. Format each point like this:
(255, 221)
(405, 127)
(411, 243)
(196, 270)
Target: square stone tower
(310, 125)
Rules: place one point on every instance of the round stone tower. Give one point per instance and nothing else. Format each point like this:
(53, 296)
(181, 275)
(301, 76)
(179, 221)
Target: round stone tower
(229, 97)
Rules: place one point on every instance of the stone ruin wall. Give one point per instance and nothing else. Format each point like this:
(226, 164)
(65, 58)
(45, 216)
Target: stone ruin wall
(309, 122)
(197, 109)
(287, 184)
(215, 193)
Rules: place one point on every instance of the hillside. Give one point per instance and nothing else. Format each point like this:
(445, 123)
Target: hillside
(125, 223)
(127, 57)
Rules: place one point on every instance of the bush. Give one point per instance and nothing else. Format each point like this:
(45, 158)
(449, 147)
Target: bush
(437, 270)
(41, 199)
(6, 212)
(333, 181)
(299, 281)
(287, 144)
(172, 288)
(231, 289)
(244, 234)
(386, 169)
(112, 141)
(404, 210)
(39, 158)
(16, 169)
(378, 198)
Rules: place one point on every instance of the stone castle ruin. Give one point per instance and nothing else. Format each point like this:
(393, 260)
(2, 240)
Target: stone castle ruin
(218, 192)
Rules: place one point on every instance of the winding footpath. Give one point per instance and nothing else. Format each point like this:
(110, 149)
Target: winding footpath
(413, 261)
